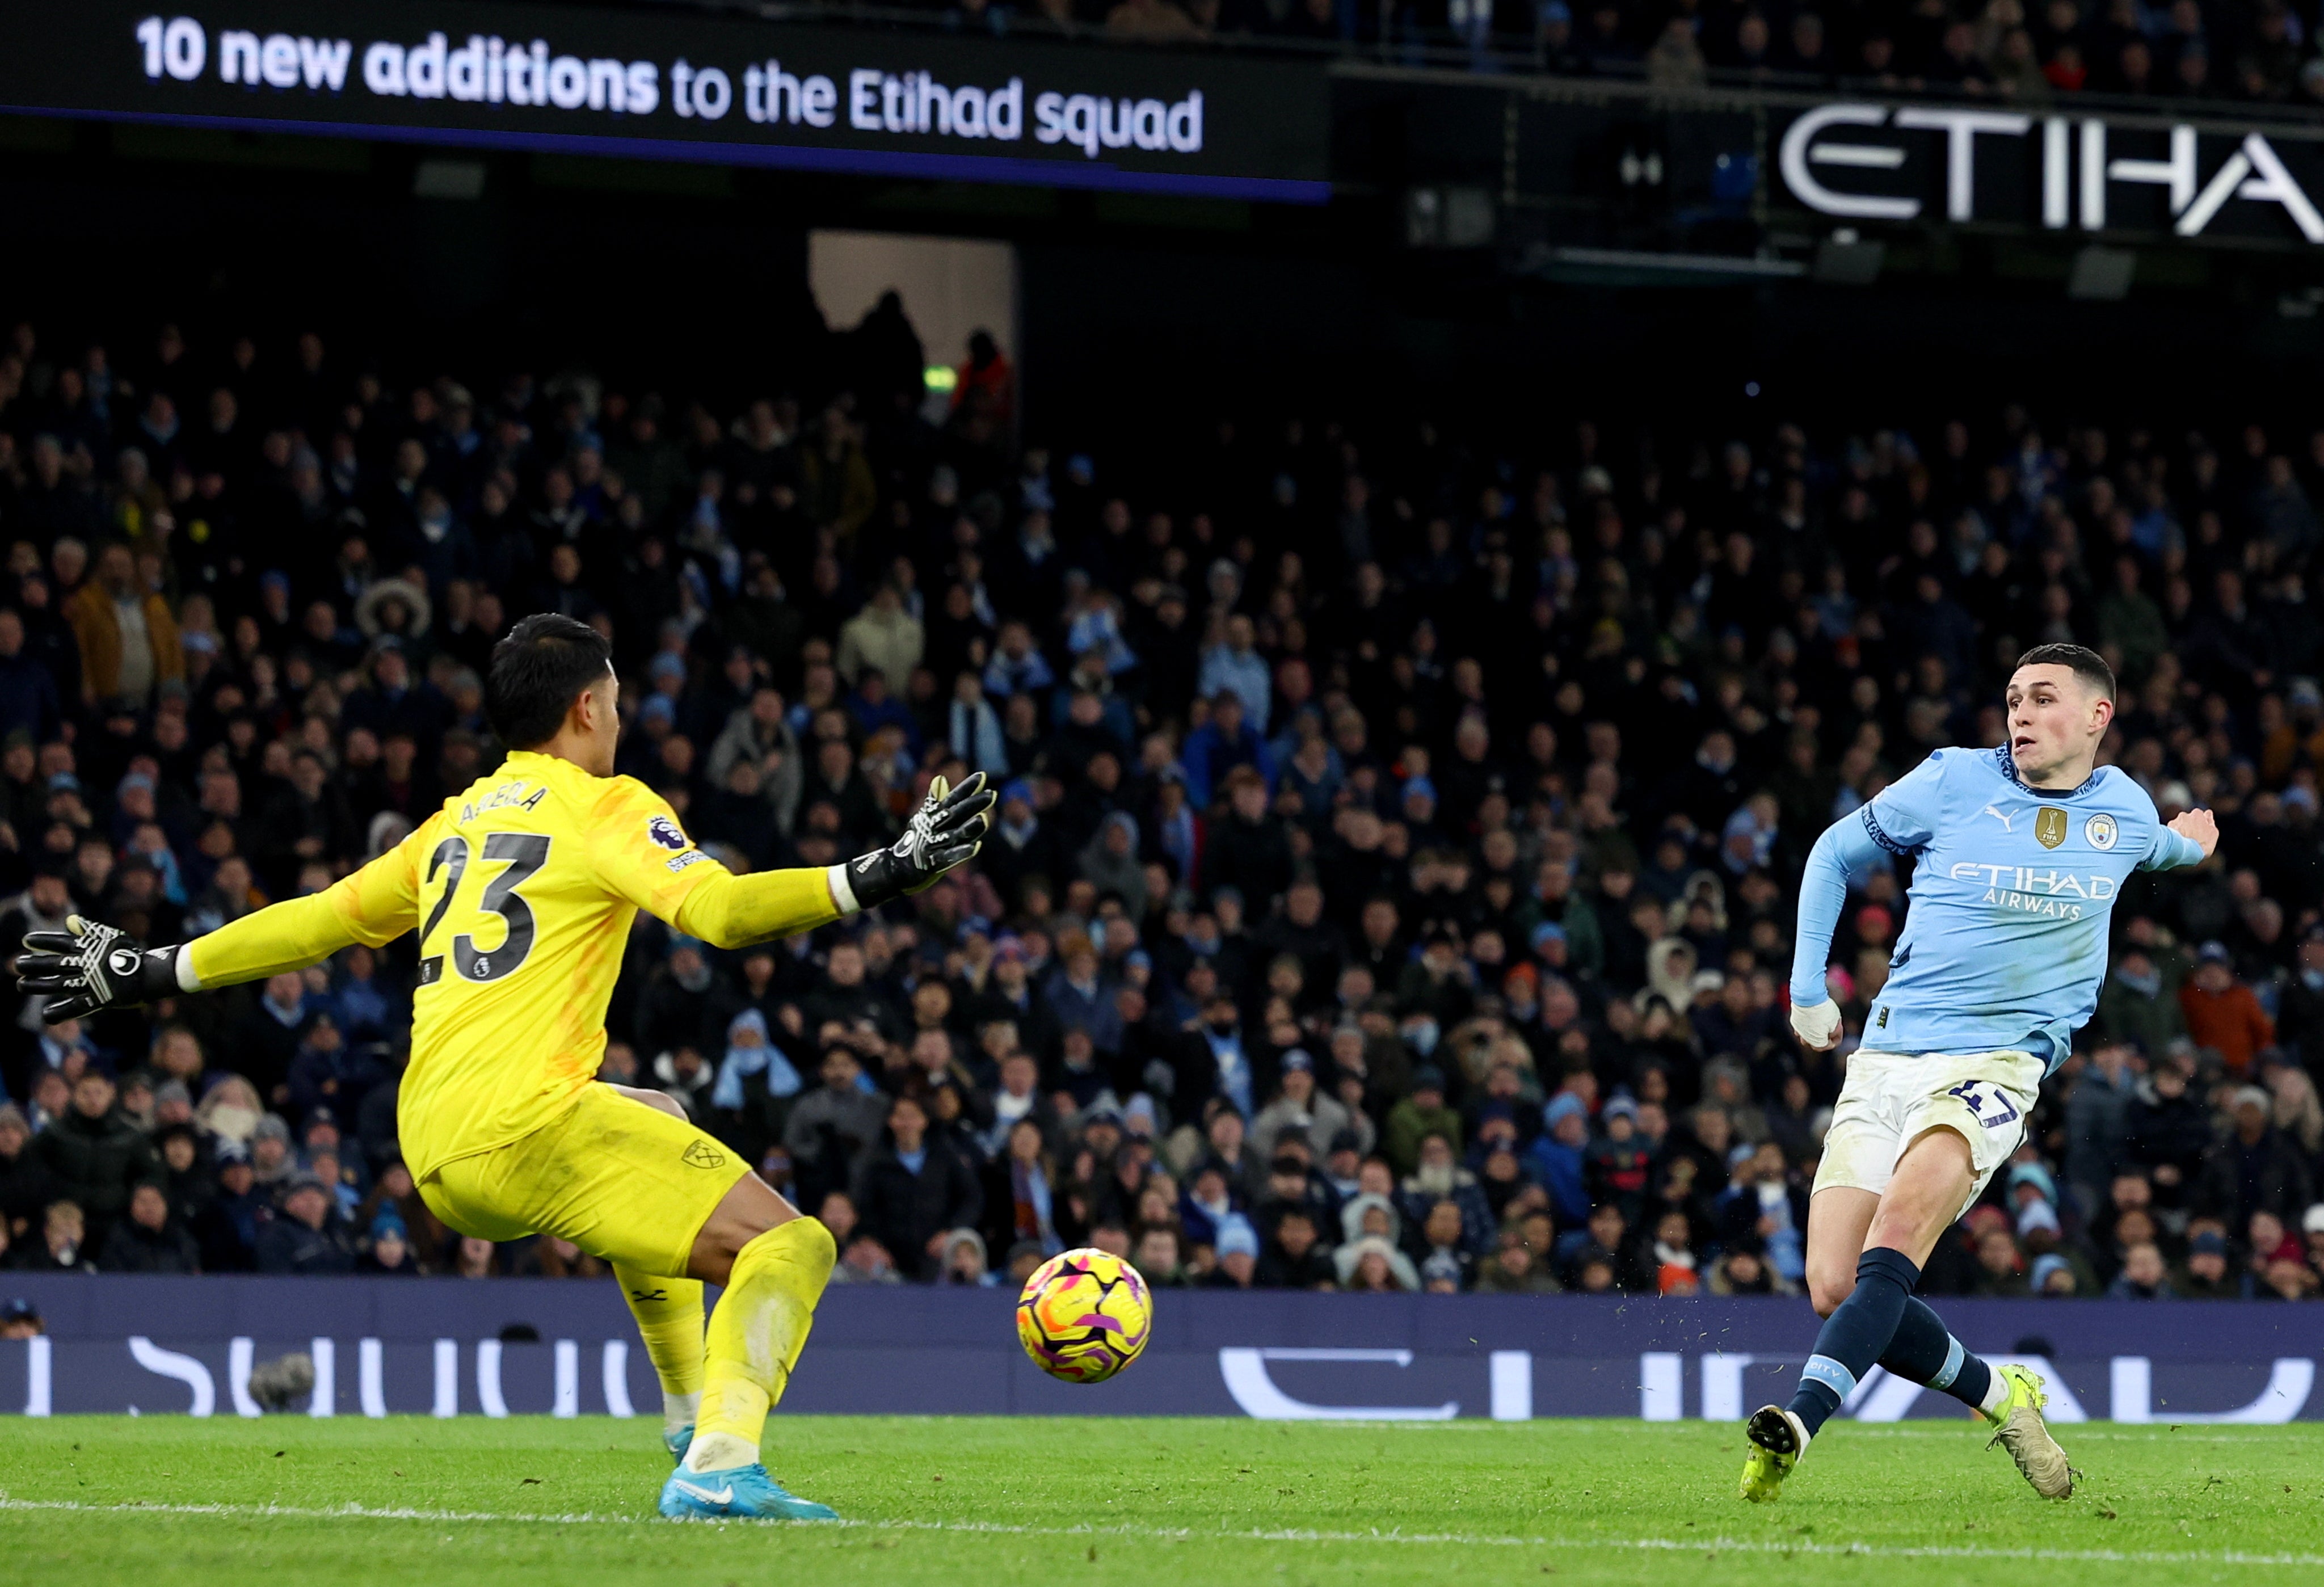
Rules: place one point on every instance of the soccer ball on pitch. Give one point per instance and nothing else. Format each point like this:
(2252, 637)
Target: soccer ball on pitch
(1084, 1315)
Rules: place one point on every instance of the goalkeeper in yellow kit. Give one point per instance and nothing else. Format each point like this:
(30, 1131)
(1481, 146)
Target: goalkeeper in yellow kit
(522, 889)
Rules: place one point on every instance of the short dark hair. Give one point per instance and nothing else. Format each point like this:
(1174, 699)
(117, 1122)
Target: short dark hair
(2088, 664)
(537, 671)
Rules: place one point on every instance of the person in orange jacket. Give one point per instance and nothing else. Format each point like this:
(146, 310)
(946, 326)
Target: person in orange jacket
(2221, 1011)
(987, 383)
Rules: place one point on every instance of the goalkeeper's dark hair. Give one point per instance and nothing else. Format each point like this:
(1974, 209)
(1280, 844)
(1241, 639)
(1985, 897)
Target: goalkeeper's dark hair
(539, 671)
(2088, 664)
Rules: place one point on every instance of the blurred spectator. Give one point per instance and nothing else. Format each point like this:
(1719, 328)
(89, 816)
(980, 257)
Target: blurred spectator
(1232, 668)
(1618, 1163)
(2256, 1170)
(1238, 1254)
(1422, 1113)
(1371, 1264)
(961, 1259)
(1675, 60)
(1438, 1182)
(149, 1239)
(2140, 1002)
(22, 1187)
(1556, 1156)
(884, 638)
(1298, 1104)
(30, 707)
(2166, 1133)
(2222, 1013)
(1019, 1191)
(227, 1227)
(1742, 1270)
(1515, 1268)
(388, 1250)
(1294, 1257)
(829, 1127)
(915, 1191)
(474, 1258)
(2297, 1113)
(62, 1246)
(2053, 1277)
(2002, 1266)
(2097, 1121)
(2206, 1274)
(127, 635)
(2300, 1012)
(986, 385)
(93, 1156)
(2143, 1276)
(305, 1237)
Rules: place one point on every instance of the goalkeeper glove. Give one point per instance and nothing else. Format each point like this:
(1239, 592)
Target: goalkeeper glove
(1817, 1025)
(947, 828)
(89, 967)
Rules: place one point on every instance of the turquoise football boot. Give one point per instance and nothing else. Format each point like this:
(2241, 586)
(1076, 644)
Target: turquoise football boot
(678, 1443)
(740, 1493)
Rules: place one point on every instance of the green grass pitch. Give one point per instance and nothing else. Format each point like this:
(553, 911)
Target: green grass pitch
(964, 1502)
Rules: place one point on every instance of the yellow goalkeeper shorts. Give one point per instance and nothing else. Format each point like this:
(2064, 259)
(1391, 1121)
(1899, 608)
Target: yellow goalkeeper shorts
(618, 1179)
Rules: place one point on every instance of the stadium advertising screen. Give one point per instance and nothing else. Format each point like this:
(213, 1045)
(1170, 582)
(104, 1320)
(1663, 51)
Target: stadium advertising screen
(689, 87)
(1934, 164)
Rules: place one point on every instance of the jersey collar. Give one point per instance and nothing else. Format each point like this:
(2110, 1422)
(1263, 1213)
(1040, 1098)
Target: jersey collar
(2008, 765)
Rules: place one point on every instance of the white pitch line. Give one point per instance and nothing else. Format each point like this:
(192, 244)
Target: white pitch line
(357, 1512)
(2078, 1433)
(344, 1512)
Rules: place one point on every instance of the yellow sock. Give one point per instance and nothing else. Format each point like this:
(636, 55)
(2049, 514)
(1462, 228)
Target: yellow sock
(756, 1335)
(670, 1317)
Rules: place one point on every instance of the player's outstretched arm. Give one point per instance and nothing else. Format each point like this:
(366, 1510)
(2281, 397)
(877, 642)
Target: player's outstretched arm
(89, 965)
(2189, 838)
(1823, 893)
(703, 899)
(946, 830)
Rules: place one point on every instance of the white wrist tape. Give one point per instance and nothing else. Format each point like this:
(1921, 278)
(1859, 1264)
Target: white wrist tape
(1816, 1023)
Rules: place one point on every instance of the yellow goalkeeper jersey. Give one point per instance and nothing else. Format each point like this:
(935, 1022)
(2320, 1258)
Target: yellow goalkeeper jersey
(522, 887)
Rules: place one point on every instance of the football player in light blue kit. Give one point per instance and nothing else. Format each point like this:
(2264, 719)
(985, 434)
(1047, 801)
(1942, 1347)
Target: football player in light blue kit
(2018, 854)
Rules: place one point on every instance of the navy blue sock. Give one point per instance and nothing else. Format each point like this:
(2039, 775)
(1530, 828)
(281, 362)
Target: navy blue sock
(1855, 1336)
(1924, 1352)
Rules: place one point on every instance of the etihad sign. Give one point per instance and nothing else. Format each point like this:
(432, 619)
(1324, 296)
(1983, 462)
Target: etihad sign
(1872, 163)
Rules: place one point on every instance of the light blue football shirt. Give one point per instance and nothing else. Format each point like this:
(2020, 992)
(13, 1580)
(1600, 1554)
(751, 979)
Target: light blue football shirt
(2005, 939)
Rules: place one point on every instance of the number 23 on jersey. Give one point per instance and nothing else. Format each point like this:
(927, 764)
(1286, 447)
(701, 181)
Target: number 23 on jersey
(490, 927)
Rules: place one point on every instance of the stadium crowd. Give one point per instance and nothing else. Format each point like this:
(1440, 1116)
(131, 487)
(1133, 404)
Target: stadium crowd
(2023, 52)
(1391, 885)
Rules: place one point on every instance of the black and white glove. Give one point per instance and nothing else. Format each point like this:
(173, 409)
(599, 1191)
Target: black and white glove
(89, 965)
(947, 828)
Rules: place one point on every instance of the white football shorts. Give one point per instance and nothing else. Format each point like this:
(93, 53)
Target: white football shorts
(1889, 1100)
